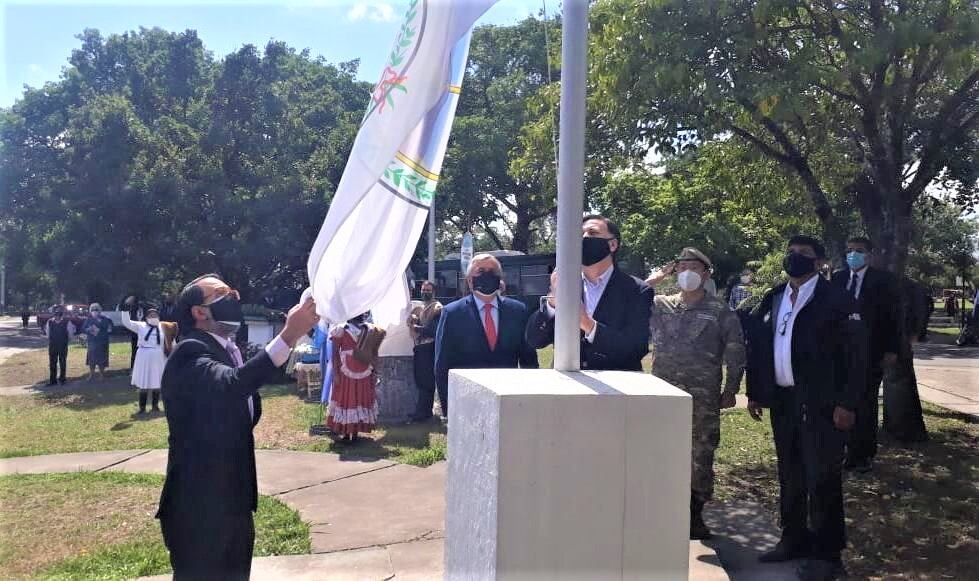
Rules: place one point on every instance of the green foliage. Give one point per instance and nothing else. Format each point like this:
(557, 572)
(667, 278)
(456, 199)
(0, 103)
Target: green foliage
(865, 103)
(722, 199)
(505, 77)
(149, 162)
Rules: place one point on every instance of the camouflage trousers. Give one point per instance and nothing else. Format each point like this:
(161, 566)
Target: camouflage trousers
(705, 438)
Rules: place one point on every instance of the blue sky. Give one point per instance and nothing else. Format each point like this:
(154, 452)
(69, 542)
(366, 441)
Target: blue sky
(39, 35)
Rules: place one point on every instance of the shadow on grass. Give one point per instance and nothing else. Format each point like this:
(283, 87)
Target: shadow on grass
(915, 516)
(84, 396)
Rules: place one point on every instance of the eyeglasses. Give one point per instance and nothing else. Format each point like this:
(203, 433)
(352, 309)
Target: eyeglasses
(785, 323)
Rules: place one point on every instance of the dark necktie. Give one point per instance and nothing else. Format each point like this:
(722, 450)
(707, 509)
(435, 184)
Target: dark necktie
(854, 282)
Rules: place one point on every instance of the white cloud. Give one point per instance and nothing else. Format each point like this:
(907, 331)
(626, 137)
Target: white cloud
(371, 10)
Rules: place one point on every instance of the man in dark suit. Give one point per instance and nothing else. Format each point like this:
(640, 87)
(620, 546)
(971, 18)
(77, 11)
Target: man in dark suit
(802, 337)
(482, 330)
(615, 307)
(879, 301)
(212, 405)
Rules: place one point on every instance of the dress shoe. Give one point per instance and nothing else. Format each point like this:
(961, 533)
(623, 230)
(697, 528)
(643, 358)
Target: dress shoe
(783, 552)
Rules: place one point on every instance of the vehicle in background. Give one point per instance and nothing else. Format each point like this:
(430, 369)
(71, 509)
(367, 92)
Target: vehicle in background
(76, 314)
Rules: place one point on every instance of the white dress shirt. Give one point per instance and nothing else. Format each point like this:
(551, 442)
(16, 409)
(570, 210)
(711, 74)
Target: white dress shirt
(277, 349)
(787, 313)
(494, 312)
(856, 277)
(592, 293)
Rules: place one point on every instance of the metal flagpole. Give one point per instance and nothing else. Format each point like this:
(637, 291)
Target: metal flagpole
(570, 185)
(431, 241)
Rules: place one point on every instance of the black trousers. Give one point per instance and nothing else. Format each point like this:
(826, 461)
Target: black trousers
(862, 439)
(810, 451)
(425, 381)
(134, 345)
(205, 547)
(57, 355)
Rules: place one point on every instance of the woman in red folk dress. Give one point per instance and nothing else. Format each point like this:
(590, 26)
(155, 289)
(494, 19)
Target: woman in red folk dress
(353, 401)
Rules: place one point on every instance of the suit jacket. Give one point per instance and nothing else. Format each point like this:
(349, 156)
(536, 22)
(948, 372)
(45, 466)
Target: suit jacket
(880, 310)
(622, 337)
(460, 340)
(828, 349)
(211, 462)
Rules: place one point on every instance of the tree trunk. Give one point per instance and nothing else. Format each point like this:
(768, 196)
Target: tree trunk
(521, 231)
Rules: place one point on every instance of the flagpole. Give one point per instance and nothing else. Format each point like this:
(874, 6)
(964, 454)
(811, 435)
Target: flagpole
(570, 185)
(431, 240)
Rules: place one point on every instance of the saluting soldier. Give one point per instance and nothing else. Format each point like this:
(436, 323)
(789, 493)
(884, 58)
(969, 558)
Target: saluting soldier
(694, 333)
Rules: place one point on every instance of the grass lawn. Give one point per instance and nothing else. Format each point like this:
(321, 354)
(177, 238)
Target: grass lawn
(101, 526)
(31, 367)
(102, 416)
(916, 517)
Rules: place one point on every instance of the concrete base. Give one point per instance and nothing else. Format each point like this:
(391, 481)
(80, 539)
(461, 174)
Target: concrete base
(567, 476)
(397, 395)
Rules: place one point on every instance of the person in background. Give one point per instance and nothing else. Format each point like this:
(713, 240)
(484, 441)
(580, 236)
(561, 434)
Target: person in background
(929, 309)
(212, 402)
(168, 309)
(423, 323)
(97, 329)
(353, 399)
(741, 290)
(482, 330)
(804, 336)
(135, 314)
(878, 299)
(695, 335)
(614, 308)
(60, 331)
(25, 316)
(154, 346)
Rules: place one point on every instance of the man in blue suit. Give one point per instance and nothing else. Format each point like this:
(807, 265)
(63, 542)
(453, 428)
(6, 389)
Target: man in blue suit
(481, 330)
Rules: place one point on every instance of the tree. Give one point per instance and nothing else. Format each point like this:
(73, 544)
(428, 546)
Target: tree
(149, 162)
(869, 101)
(722, 198)
(507, 69)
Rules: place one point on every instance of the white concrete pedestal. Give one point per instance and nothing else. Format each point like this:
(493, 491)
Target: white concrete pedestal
(566, 476)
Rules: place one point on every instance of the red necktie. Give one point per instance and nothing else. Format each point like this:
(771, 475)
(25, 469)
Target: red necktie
(489, 325)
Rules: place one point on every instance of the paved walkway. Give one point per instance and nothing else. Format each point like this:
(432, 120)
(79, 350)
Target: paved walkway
(948, 376)
(13, 339)
(374, 519)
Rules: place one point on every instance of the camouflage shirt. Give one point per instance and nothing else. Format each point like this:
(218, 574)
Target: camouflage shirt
(690, 343)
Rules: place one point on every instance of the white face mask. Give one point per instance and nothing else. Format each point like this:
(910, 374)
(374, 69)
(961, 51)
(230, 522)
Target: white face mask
(689, 280)
(153, 321)
(745, 278)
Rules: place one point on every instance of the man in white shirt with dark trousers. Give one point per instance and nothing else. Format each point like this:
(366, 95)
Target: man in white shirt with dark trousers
(807, 363)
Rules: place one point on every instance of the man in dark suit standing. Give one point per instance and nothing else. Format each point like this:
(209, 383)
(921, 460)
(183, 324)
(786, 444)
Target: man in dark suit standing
(212, 404)
(879, 302)
(615, 307)
(802, 337)
(482, 330)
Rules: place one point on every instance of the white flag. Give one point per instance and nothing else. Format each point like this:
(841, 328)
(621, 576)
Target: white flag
(379, 210)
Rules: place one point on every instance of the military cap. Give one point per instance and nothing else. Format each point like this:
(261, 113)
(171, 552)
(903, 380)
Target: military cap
(690, 253)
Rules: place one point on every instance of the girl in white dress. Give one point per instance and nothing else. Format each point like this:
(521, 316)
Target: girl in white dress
(153, 343)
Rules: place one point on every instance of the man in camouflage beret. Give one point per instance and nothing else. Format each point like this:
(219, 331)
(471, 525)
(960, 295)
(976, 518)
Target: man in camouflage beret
(694, 334)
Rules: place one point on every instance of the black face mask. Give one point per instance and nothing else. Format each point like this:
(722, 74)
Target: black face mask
(226, 310)
(427, 297)
(487, 283)
(797, 265)
(358, 320)
(594, 250)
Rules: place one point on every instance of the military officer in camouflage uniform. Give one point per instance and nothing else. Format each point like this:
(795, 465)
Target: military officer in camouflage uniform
(693, 334)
